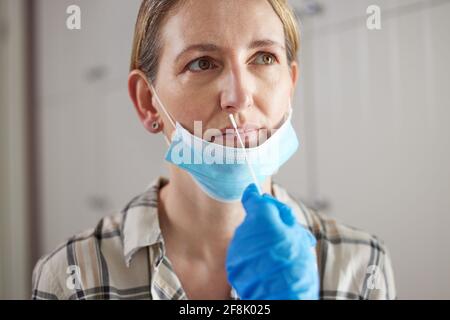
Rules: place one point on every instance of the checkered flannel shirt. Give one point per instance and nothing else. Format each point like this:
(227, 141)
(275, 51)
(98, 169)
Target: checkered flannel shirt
(124, 258)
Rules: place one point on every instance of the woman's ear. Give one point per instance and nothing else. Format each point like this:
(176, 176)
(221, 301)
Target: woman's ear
(141, 95)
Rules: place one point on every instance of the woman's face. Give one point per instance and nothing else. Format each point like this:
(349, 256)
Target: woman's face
(220, 57)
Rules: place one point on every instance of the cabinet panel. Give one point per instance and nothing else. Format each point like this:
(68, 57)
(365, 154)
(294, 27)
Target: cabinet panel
(382, 140)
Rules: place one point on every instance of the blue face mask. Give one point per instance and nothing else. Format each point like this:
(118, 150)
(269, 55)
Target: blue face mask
(221, 171)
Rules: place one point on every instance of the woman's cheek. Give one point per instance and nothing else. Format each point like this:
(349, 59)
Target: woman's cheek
(274, 102)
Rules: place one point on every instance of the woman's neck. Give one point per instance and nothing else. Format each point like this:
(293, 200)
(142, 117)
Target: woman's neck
(196, 225)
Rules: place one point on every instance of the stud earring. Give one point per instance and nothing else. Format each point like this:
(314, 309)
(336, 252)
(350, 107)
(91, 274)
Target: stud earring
(155, 125)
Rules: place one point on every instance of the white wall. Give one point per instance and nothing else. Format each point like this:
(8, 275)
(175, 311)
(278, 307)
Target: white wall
(370, 110)
(14, 251)
(379, 102)
(95, 155)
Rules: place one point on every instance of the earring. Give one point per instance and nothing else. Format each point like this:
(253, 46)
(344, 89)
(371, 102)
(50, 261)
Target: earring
(155, 125)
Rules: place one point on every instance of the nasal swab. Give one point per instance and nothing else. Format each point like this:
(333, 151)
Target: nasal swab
(245, 154)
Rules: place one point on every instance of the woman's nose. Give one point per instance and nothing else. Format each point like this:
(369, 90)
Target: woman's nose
(236, 92)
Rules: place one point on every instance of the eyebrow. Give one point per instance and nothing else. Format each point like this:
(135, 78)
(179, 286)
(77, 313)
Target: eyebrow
(210, 47)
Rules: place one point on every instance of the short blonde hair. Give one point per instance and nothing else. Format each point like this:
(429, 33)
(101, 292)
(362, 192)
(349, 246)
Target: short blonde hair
(152, 14)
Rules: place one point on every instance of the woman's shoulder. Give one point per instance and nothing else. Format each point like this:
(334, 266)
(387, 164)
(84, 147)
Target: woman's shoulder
(335, 231)
(58, 273)
(353, 263)
(99, 258)
(323, 226)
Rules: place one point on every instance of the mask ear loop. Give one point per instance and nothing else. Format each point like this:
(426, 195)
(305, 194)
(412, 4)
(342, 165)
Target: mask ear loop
(165, 112)
(289, 113)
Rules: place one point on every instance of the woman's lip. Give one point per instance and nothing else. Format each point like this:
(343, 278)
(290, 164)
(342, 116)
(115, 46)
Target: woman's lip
(230, 136)
(246, 131)
(231, 133)
(241, 129)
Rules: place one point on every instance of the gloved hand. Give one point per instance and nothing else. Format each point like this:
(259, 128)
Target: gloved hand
(271, 256)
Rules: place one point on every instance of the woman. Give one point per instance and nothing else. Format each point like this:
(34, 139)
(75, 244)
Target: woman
(190, 237)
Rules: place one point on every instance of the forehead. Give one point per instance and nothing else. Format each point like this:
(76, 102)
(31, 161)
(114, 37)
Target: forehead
(226, 23)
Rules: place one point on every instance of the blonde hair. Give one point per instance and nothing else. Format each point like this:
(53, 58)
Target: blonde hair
(152, 14)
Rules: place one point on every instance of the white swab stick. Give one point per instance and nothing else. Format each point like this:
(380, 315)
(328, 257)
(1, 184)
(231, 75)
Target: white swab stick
(233, 122)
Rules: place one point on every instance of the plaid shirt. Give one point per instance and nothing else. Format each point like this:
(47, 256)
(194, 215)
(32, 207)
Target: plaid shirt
(124, 258)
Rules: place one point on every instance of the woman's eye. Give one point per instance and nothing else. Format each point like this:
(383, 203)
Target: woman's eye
(201, 64)
(265, 58)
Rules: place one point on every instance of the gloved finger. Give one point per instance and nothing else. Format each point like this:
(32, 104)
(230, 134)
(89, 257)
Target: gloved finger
(259, 210)
(289, 218)
(252, 201)
(286, 213)
(311, 238)
(250, 192)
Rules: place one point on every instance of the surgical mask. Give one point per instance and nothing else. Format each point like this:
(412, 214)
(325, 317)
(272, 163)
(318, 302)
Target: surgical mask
(221, 171)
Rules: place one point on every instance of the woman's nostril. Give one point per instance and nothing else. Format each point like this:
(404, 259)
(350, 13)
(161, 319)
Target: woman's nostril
(236, 107)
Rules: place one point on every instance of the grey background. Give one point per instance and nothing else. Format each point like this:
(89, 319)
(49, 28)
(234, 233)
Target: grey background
(371, 111)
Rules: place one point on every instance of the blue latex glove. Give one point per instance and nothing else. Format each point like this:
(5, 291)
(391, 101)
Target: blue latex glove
(271, 256)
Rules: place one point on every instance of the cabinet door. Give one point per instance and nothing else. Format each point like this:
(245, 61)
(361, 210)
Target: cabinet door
(71, 167)
(78, 70)
(69, 60)
(380, 104)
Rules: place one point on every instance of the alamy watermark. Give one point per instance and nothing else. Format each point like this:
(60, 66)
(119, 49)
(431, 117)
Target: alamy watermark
(374, 17)
(73, 281)
(73, 21)
(215, 146)
(374, 278)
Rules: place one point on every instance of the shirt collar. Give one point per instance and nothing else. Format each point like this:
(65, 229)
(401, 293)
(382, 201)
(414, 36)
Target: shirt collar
(140, 226)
